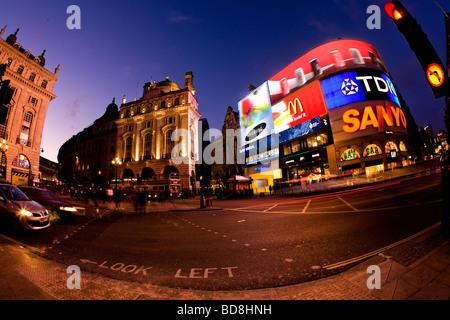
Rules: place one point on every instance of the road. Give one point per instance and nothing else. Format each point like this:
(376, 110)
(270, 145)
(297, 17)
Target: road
(251, 243)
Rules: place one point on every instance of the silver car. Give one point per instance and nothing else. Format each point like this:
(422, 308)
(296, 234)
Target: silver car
(18, 212)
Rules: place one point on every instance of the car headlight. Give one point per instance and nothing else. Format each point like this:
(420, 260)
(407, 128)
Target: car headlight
(26, 213)
(69, 209)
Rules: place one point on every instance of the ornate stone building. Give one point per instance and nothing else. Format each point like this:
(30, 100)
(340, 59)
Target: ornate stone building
(145, 129)
(22, 120)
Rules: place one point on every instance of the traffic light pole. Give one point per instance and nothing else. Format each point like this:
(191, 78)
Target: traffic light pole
(445, 215)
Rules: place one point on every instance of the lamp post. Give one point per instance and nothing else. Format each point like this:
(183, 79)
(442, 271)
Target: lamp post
(116, 162)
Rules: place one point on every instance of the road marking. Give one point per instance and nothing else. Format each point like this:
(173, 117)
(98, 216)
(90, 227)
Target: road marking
(374, 253)
(306, 207)
(271, 207)
(344, 211)
(347, 203)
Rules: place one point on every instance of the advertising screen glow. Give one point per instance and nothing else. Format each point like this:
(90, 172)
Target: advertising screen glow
(357, 86)
(298, 107)
(255, 115)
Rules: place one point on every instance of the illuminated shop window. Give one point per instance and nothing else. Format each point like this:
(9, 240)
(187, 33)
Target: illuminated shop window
(372, 150)
(390, 146)
(21, 161)
(402, 146)
(350, 154)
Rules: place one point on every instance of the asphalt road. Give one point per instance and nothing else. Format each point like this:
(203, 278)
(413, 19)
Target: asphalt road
(252, 243)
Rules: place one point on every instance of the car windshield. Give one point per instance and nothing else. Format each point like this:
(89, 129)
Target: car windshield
(37, 194)
(14, 193)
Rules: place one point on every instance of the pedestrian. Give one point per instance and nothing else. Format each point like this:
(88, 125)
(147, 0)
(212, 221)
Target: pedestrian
(142, 199)
(117, 195)
(270, 189)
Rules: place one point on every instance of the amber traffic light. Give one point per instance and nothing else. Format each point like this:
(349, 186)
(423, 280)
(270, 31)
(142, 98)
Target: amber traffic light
(392, 11)
(423, 49)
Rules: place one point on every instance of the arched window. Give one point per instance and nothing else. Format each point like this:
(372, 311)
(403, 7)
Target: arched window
(21, 161)
(372, 150)
(390, 146)
(148, 146)
(350, 154)
(26, 127)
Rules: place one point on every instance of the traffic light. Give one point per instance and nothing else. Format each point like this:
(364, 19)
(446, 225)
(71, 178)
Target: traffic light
(423, 49)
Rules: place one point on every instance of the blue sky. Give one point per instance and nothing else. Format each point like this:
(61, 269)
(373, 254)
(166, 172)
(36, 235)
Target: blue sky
(227, 45)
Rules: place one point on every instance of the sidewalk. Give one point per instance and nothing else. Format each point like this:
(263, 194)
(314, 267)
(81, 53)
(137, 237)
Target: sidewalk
(26, 276)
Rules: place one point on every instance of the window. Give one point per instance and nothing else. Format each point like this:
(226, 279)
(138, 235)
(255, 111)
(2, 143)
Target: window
(44, 84)
(287, 149)
(20, 69)
(8, 62)
(176, 102)
(21, 161)
(147, 146)
(26, 127)
(32, 76)
(128, 148)
(138, 110)
(163, 104)
(295, 146)
(169, 143)
(32, 101)
(149, 124)
(170, 120)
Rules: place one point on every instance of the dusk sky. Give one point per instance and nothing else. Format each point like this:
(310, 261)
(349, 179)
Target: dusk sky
(227, 45)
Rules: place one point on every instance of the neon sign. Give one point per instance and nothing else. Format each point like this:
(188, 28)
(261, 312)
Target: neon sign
(298, 107)
(357, 86)
(390, 116)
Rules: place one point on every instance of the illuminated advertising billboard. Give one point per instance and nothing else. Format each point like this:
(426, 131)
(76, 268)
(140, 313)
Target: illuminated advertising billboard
(300, 130)
(255, 112)
(326, 59)
(298, 107)
(364, 118)
(359, 85)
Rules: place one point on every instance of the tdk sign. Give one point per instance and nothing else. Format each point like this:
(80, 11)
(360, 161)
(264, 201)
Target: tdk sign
(357, 86)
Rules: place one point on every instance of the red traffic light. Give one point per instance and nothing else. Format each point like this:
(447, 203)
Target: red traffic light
(392, 11)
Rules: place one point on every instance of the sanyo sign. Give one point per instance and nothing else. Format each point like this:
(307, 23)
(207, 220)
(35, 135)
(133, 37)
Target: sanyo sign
(377, 117)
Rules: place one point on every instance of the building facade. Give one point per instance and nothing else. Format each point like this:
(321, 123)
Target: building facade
(147, 145)
(227, 144)
(86, 157)
(22, 120)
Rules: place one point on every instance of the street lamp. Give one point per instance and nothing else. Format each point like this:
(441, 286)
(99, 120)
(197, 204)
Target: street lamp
(116, 162)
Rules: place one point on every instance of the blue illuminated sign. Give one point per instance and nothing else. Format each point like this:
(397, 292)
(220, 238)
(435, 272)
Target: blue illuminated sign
(302, 129)
(357, 86)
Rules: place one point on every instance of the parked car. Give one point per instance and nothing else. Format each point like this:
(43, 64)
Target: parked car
(19, 212)
(58, 209)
